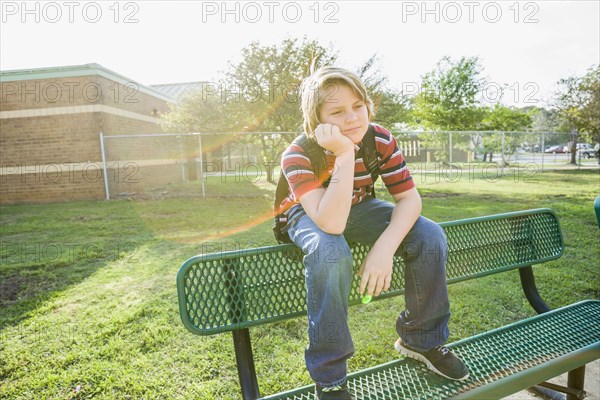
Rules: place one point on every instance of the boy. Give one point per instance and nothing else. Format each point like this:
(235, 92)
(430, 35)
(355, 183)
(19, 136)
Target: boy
(337, 112)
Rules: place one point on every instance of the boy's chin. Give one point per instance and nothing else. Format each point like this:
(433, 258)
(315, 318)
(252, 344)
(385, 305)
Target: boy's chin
(357, 137)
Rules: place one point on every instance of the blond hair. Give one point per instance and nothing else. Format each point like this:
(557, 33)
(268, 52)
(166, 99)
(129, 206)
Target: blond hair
(314, 96)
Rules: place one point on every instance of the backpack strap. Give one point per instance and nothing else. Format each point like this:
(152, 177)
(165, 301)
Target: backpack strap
(369, 156)
(280, 193)
(315, 154)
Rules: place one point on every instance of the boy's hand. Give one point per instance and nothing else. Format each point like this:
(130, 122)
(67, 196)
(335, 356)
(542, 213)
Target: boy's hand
(330, 137)
(375, 273)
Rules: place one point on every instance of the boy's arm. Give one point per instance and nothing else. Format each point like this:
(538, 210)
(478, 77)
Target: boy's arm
(376, 270)
(407, 210)
(329, 208)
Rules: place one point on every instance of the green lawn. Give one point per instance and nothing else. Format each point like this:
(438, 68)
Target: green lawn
(89, 304)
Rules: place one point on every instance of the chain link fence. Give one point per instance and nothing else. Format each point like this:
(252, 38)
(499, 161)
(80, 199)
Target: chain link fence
(237, 164)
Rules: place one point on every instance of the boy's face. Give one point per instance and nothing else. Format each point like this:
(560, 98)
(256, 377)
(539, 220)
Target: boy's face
(343, 108)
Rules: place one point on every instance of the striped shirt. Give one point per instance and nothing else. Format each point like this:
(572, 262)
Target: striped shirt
(302, 177)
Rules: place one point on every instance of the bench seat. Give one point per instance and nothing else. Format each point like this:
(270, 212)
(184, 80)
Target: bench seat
(237, 290)
(501, 362)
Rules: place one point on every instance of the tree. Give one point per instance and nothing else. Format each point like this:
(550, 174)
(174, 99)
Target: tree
(578, 101)
(261, 94)
(267, 97)
(197, 112)
(546, 120)
(542, 121)
(267, 82)
(448, 101)
(504, 119)
(391, 107)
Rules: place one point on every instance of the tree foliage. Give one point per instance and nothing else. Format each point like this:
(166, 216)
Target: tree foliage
(261, 94)
(448, 97)
(267, 82)
(546, 120)
(391, 107)
(504, 120)
(448, 102)
(197, 112)
(578, 101)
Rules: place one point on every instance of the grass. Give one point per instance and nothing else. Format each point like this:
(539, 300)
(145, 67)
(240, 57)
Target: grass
(89, 306)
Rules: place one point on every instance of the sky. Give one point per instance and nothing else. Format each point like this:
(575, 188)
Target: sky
(526, 45)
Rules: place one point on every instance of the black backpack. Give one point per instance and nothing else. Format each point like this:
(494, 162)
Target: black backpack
(316, 155)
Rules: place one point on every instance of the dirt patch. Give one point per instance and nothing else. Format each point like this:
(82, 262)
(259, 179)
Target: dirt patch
(10, 288)
(182, 195)
(16, 287)
(438, 194)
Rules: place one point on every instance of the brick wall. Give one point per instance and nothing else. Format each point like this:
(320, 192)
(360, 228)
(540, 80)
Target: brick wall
(53, 182)
(50, 139)
(45, 156)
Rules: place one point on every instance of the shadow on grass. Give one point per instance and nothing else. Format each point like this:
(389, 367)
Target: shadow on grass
(45, 249)
(120, 330)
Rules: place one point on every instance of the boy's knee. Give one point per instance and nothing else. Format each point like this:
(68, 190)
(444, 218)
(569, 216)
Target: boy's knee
(438, 235)
(327, 251)
(427, 231)
(426, 237)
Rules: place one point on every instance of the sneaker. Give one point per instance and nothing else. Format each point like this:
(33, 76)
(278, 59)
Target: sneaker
(333, 393)
(439, 359)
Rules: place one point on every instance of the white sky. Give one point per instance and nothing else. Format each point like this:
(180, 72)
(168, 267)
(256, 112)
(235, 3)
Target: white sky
(530, 46)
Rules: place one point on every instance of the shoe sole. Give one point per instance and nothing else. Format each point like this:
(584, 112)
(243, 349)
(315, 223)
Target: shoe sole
(419, 357)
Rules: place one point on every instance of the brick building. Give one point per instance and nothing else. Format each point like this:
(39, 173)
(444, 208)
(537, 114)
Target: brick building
(50, 124)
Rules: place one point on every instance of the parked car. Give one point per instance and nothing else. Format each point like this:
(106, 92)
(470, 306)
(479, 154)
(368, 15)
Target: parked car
(580, 146)
(555, 149)
(586, 151)
(531, 148)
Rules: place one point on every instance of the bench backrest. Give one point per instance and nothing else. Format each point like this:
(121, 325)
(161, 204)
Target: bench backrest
(234, 290)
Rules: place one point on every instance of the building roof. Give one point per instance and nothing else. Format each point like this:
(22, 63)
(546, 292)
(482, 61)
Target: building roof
(177, 91)
(78, 70)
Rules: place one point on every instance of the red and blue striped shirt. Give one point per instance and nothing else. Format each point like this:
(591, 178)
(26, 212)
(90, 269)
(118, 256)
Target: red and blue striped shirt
(302, 178)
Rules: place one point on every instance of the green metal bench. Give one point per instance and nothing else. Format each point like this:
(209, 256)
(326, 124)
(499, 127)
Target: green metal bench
(597, 209)
(233, 291)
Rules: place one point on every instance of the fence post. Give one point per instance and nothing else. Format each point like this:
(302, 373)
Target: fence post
(543, 148)
(104, 169)
(450, 154)
(181, 159)
(502, 156)
(201, 164)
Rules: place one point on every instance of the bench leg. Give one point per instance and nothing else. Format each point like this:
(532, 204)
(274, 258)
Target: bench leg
(575, 380)
(530, 290)
(574, 389)
(245, 364)
(547, 391)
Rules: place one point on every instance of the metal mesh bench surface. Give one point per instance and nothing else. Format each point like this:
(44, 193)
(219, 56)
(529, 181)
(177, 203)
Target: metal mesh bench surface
(512, 352)
(235, 290)
(232, 291)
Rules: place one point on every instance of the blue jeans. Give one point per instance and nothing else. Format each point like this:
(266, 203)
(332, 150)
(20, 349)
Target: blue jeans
(328, 262)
